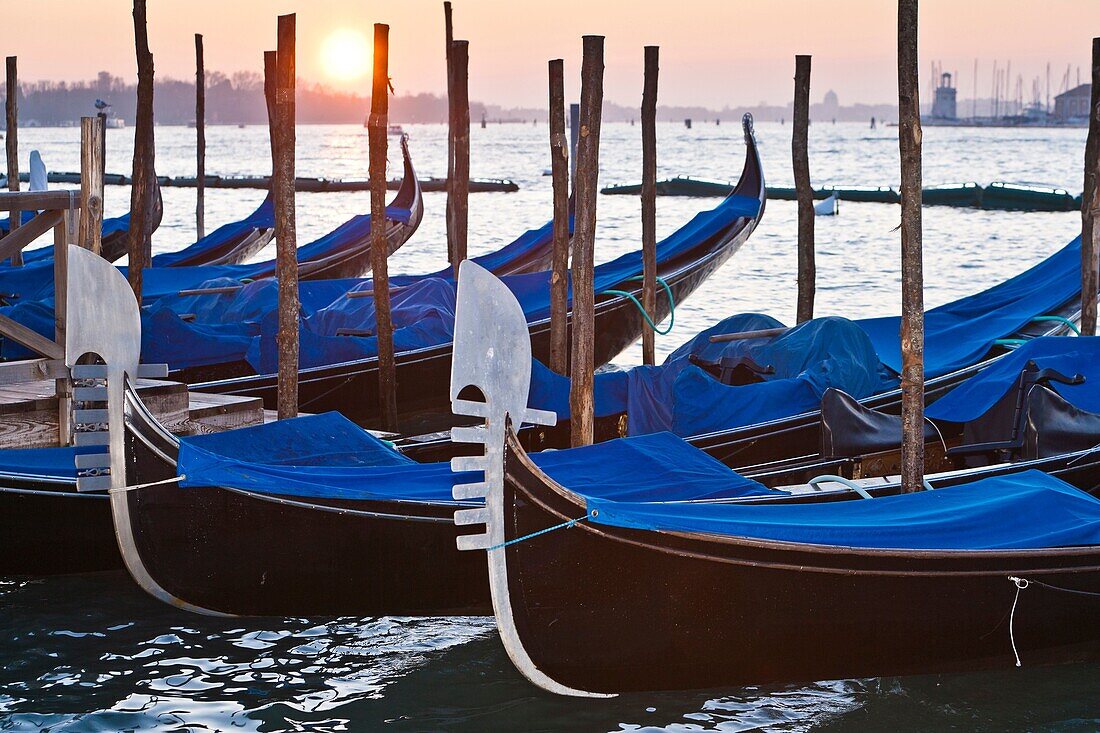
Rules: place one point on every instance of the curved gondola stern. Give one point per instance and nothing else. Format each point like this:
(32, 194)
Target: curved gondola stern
(751, 183)
(492, 354)
(409, 196)
(103, 318)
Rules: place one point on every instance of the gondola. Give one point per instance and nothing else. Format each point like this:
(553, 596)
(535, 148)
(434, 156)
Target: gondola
(344, 252)
(351, 387)
(229, 244)
(744, 585)
(267, 497)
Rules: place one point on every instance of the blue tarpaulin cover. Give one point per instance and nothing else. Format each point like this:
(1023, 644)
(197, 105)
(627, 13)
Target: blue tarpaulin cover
(110, 226)
(52, 462)
(262, 218)
(683, 398)
(962, 332)
(1020, 511)
(1066, 354)
(326, 456)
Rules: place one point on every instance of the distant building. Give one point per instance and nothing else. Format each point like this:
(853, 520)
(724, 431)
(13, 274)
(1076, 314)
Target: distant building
(1073, 104)
(943, 104)
(831, 101)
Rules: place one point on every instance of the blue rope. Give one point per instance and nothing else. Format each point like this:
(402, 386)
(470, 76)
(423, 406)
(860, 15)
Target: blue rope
(648, 320)
(564, 525)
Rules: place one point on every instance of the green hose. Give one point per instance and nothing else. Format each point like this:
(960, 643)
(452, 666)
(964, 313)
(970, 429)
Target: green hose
(641, 309)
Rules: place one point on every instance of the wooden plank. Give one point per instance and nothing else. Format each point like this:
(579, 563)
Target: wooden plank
(32, 370)
(376, 133)
(63, 386)
(559, 259)
(460, 183)
(649, 200)
(91, 184)
(582, 361)
(1090, 206)
(762, 333)
(40, 200)
(912, 272)
(32, 340)
(286, 234)
(200, 140)
(32, 230)
(144, 174)
(211, 291)
(807, 268)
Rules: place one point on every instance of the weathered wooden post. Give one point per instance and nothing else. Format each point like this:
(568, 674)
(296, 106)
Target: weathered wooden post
(286, 234)
(559, 261)
(574, 134)
(1090, 206)
(448, 24)
(91, 184)
(11, 107)
(458, 227)
(807, 269)
(376, 133)
(912, 274)
(582, 359)
(200, 140)
(271, 70)
(649, 199)
(144, 172)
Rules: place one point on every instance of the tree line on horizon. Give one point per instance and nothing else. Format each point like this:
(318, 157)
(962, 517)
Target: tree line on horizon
(238, 98)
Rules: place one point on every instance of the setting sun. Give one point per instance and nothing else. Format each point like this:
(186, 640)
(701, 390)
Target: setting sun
(345, 54)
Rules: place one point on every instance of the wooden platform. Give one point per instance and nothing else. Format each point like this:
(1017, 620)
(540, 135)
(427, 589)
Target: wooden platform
(28, 411)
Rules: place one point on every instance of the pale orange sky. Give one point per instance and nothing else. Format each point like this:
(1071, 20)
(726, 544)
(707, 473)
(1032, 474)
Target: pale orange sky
(713, 52)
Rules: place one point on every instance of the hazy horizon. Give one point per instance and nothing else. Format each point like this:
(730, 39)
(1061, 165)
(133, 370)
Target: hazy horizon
(713, 54)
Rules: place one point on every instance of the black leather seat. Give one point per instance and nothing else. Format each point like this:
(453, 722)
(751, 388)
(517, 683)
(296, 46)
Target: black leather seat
(1055, 426)
(848, 429)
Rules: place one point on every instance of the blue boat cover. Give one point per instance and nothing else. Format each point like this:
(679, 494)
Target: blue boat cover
(962, 332)
(683, 398)
(49, 462)
(262, 218)
(110, 226)
(326, 456)
(1027, 510)
(1068, 355)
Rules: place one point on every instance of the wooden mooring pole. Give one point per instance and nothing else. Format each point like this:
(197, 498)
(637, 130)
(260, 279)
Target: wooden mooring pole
(200, 140)
(271, 70)
(559, 260)
(11, 108)
(807, 268)
(448, 27)
(649, 200)
(286, 235)
(574, 134)
(460, 182)
(91, 184)
(912, 268)
(582, 358)
(376, 136)
(1090, 206)
(144, 172)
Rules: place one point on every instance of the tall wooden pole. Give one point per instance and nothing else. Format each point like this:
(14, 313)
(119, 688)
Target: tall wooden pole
(91, 184)
(574, 135)
(1090, 206)
(807, 268)
(11, 108)
(376, 134)
(912, 268)
(559, 261)
(582, 361)
(448, 24)
(649, 199)
(460, 182)
(286, 235)
(144, 173)
(200, 140)
(271, 71)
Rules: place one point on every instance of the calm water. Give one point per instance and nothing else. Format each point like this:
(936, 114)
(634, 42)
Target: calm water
(93, 653)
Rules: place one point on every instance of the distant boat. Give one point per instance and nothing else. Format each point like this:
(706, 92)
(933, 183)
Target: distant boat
(115, 123)
(395, 130)
(828, 207)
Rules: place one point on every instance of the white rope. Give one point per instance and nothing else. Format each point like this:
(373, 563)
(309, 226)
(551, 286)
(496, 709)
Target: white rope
(1020, 583)
(124, 489)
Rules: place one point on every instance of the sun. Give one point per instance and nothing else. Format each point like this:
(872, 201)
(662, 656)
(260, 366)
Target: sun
(345, 54)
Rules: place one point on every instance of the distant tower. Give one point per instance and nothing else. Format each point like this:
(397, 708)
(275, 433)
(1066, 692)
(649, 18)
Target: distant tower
(943, 106)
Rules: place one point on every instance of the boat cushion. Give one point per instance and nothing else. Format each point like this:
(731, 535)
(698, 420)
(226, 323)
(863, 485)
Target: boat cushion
(848, 429)
(1054, 426)
(1024, 510)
